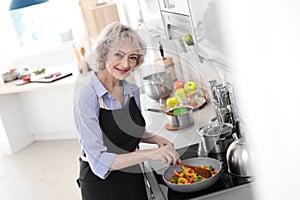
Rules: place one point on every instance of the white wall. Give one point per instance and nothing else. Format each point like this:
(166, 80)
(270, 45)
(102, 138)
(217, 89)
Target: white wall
(265, 48)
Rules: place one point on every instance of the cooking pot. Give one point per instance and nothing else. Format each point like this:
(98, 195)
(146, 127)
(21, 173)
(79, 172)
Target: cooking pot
(216, 137)
(9, 76)
(158, 85)
(182, 119)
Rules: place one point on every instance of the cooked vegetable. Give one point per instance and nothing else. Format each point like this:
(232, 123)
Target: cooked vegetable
(188, 175)
(182, 181)
(39, 71)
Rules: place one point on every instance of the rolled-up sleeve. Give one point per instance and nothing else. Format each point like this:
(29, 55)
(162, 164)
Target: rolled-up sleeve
(86, 116)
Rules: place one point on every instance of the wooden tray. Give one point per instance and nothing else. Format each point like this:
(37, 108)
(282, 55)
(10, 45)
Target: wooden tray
(175, 128)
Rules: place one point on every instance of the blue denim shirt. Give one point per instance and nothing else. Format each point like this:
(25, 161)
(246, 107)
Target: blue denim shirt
(86, 116)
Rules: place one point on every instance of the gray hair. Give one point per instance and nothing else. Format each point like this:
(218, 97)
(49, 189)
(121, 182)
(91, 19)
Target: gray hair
(111, 34)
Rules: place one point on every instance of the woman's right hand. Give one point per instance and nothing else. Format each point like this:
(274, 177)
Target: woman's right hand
(166, 154)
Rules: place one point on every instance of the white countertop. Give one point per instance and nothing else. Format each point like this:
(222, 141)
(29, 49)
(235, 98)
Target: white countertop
(155, 123)
(11, 87)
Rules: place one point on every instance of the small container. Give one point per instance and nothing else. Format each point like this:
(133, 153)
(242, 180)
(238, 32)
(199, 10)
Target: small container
(216, 137)
(181, 120)
(9, 76)
(158, 85)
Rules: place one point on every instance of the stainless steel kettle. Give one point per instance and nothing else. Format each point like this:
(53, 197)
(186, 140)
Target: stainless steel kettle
(239, 157)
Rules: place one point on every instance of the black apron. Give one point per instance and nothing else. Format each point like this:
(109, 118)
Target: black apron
(122, 130)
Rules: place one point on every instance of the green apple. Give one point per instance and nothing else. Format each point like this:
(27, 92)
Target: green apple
(180, 94)
(188, 39)
(190, 87)
(172, 102)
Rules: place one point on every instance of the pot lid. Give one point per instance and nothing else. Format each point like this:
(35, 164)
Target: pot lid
(217, 130)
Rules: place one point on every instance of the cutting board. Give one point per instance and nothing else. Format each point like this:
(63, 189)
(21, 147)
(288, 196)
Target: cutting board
(52, 77)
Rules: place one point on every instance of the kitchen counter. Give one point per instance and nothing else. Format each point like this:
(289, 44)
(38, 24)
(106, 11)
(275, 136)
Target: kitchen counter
(38, 111)
(155, 123)
(188, 144)
(12, 88)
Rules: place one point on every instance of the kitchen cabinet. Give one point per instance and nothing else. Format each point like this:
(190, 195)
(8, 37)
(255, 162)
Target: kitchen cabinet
(203, 20)
(97, 16)
(175, 6)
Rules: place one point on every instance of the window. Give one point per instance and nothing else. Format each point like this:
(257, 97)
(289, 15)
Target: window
(48, 24)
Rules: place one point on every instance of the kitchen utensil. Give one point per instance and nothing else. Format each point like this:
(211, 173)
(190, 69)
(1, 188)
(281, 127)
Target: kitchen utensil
(161, 50)
(52, 77)
(173, 128)
(158, 85)
(162, 111)
(197, 186)
(239, 156)
(82, 51)
(182, 120)
(77, 55)
(22, 82)
(199, 170)
(9, 76)
(216, 137)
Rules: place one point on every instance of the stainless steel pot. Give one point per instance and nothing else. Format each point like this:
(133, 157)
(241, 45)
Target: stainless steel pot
(183, 120)
(9, 76)
(216, 137)
(158, 85)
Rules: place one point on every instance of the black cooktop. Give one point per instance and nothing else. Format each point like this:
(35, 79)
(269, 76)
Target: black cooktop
(226, 180)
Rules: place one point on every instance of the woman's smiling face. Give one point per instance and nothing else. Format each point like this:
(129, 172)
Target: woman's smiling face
(122, 59)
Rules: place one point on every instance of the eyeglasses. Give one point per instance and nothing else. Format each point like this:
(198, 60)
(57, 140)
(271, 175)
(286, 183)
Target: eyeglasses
(132, 58)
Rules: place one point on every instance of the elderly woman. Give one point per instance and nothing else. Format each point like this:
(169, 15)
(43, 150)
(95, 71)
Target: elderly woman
(110, 124)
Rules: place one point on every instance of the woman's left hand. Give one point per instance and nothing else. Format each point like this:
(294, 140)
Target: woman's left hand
(161, 141)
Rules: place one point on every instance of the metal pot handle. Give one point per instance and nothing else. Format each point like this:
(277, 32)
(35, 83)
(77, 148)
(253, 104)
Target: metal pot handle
(238, 129)
(214, 122)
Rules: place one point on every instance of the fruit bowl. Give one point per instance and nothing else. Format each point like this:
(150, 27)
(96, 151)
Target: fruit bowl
(194, 100)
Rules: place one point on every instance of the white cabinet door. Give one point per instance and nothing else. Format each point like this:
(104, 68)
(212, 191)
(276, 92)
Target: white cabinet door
(174, 6)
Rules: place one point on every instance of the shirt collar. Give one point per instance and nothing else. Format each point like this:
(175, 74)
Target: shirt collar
(101, 90)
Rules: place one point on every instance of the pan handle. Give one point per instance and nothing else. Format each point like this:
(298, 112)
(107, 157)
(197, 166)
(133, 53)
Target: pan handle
(152, 110)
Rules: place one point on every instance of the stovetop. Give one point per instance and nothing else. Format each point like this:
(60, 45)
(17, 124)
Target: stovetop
(225, 182)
